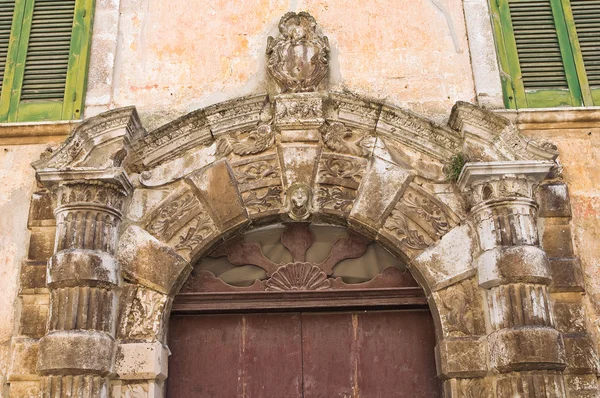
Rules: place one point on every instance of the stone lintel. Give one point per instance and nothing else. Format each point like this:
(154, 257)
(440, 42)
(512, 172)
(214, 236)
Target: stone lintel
(513, 264)
(472, 173)
(76, 352)
(142, 361)
(77, 267)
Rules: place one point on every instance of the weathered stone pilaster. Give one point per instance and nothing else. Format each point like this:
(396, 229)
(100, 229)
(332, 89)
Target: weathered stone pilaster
(524, 346)
(77, 354)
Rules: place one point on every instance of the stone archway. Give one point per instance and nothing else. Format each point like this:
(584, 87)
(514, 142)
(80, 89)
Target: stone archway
(135, 209)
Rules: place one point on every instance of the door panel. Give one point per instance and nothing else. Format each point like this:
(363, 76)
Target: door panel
(371, 354)
(250, 356)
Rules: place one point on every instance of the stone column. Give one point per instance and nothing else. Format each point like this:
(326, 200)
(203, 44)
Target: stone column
(77, 354)
(525, 349)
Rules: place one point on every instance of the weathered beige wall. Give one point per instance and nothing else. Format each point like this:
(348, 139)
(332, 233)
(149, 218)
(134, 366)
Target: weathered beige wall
(18, 183)
(172, 57)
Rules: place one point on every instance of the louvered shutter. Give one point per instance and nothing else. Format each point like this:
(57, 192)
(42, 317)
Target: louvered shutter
(538, 55)
(7, 10)
(586, 17)
(51, 55)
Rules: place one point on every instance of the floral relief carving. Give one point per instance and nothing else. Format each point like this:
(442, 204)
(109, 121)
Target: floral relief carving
(398, 226)
(143, 313)
(199, 229)
(428, 210)
(298, 56)
(335, 198)
(246, 143)
(135, 391)
(473, 388)
(92, 192)
(171, 213)
(298, 276)
(256, 171)
(259, 201)
(342, 168)
(460, 310)
(338, 138)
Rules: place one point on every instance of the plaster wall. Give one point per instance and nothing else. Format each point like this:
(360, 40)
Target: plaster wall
(174, 57)
(18, 183)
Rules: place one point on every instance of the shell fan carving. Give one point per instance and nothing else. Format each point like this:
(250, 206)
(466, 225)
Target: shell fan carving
(298, 276)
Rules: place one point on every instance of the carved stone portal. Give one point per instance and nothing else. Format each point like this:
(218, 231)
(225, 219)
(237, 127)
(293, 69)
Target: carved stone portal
(137, 209)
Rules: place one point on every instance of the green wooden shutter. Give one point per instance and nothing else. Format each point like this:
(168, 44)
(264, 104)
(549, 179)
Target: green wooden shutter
(51, 52)
(7, 10)
(538, 55)
(586, 18)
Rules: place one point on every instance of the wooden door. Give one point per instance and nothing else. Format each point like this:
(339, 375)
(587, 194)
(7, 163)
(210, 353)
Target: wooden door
(366, 354)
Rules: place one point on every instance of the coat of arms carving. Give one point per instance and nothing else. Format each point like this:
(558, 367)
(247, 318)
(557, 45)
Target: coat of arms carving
(298, 56)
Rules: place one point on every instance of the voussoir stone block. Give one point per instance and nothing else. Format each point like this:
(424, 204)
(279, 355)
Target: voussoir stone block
(217, 186)
(526, 348)
(382, 184)
(513, 264)
(72, 267)
(461, 358)
(150, 262)
(448, 262)
(76, 351)
(142, 361)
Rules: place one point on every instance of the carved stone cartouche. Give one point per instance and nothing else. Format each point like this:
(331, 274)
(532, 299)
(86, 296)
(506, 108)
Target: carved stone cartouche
(298, 56)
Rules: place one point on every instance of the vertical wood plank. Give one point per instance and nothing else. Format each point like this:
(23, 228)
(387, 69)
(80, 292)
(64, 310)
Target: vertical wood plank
(326, 342)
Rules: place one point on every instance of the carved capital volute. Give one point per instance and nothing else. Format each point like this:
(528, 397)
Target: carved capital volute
(487, 183)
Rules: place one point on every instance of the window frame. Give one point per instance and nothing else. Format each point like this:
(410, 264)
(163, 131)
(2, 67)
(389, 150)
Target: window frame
(12, 109)
(514, 93)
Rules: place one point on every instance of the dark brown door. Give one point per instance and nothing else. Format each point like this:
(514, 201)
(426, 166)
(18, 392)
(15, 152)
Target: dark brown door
(366, 354)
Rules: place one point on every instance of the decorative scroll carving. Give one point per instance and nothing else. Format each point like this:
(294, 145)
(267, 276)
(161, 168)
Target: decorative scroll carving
(335, 198)
(497, 188)
(428, 210)
(338, 138)
(342, 168)
(459, 317)
(199, 229)
(259, 201)
(298, 56)
(398, 226)
(299, 202)
(460, 310)
(143, 313)
(256, 171)
(173, 210)
(298, 276)
(249, 143)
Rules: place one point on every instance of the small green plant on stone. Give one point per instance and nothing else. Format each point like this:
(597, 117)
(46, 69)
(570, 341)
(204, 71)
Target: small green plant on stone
(455, 166)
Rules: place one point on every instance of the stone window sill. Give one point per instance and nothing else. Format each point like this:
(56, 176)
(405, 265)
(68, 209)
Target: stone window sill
(36, 132)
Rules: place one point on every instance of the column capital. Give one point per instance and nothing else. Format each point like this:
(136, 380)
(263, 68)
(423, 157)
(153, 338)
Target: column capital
(484, 181)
